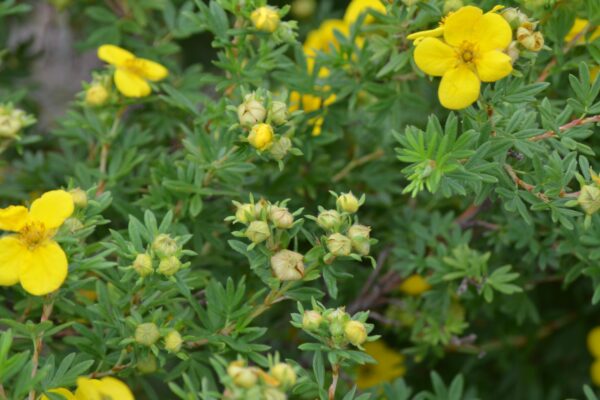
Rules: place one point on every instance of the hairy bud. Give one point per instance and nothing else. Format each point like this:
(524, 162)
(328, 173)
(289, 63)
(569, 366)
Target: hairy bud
(258, 231)
(173, 341)
(242, 376)
(80, 198)
(281, 217)
(284, 373)
(355, 332)
(147, 334)
(280, 148)
(265, 19)
(165, 246)
(278, 112)
(329, 219)
(348, 202)
(143, 264)
(96, 95)
(169, 266)
(288, 265)
(147, 364)
(339, 245)
(359, 236)
(589, 199)
(261, 136)
(251, 111)
(245, 213)
(311, 320)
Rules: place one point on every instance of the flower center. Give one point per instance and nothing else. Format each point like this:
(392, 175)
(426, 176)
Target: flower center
(134, 66)
(33, 234)
(467, 52)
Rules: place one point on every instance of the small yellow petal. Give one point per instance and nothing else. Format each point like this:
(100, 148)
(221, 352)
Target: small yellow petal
(493, 65)
(88, 389)
(45, 270)
(115, 389)
(437, 32)
(151, 70)
(593, 342)
(595, 372)
(434, 57)
(13, 218)
(66, 394)
(458, 26)
(52, 209)
(131, 85)
(13, 254)
(114, 54)
(459, 88)
(358, 7)
(492, 32)
(414, 285)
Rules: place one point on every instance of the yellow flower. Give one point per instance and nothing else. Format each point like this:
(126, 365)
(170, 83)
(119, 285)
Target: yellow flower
(265, 19)
(107, 388)
(576, 29)
(595, 372)
(261, 136)
(390, 365)
(471, 53)
(61, 391)
(31, 257)
(132, 73)
(414, 285)
(358, 7)
(323, 39)
(593, 342)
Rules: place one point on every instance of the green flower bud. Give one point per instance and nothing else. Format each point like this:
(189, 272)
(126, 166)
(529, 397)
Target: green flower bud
(514, 17)
(281, 217)
(80, 198)
(273, 394)
(589, 199)
(336, 328)
(173, 341)
(280, 148)
(147, 364)
(355, 332)
(96, 95)
(258, 231)
(339, 245)
(169, 266)
(303, 8)
(533, 41)
(245, 213)
(311, 320)
(284, 373)
(278, 112)
(251, 111)
(329, 219)
(348, 202)
(164, 246)
(452, 5)
(359, 236)
(242, 376)
(73, 224)
(288, 265)
(147, 334)
(9, 127)
(143, 264)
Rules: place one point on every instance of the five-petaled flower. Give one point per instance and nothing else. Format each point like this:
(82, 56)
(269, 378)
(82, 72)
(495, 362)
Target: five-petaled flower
(132, 73)
(31, 256)
(107, 388)
(471, 52)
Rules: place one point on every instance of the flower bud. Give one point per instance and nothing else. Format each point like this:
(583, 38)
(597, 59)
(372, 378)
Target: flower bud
(336, 328)
(359, 236)
(245, 213)
(329, 219)
(533, 41)
(265, 19)
(303, 8)
(288, 265)
(452, 5)
(165, 246)
(80, 198)
(514, 17)
(348, 202)
(311, 320)
(169, 266)
(273, 394)
(589, 199)
(258, 231)
(96, 95)
(513, 51)
(242, 376)
(414, 285)
(9, 127)
(173, 341)
(147, 364)
(278, 112)
(143, 264)
(281, 217)
(339, 245)
(355, 332)
(280, 148)
(261, 136)
(284, 373)
(147, 334)
(251, 111)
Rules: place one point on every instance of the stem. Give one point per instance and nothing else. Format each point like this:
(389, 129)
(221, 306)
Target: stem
(39, 343)
(566, 127)
(377, 154)
(2, 393)
(524, 185)
(335, 370)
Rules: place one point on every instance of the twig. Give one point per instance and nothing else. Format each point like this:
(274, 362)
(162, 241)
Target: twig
(363, 297)
(2, 392)
(39, 343)
(567, 47)
(524, 185)
(566, 127)
(377, 154)
(335, 369)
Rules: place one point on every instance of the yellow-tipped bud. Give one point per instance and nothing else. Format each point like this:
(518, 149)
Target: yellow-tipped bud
(284, 373)
(348, 202)
(173, 341)
(329, 219)
(245, 213)
(265, 19)
(288, 265)
(80, 198)
(147, 334)
(143, 264)
(169, 266)
(533, 41)
(339, 245)
(242, 376)
(96, 95)
(355, 332)
(261, 136)
(165, 246)
(258, 231)
(311, 320)
(589, 199)
(278, 112)
(281, 217)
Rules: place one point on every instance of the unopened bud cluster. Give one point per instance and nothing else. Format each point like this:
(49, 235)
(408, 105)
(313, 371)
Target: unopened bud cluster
(163, 257)
(12, 121)
(525, 33)
(148, 334)
(245, 381)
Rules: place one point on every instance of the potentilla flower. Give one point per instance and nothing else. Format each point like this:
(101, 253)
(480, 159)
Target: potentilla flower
(471, 52)
(576, 30)
(31, 256)
(132, 73)
(96, 389)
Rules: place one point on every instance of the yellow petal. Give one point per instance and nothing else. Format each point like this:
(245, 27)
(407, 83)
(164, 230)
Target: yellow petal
(45, 269)
(115, 389)
(459, 26)
(437, 32)
(131, 85)
(459, 88)
(493, 65)
(114, 54)
(593, 342)
(434, 57)
(13, 218)
(66, 394)
(53, 208)
(151, 70)
(595, 372)
(492, 32)
(88, 389)
(358, 7)
(13, 254)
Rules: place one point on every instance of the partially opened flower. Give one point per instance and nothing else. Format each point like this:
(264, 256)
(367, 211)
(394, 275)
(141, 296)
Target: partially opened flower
(31, 256)
(471, 53)
(132, 73)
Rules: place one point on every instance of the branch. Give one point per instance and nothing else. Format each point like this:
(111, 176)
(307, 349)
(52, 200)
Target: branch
(335, 369)
(39, 343)
(377, 154)
(566, 127)
(524, 185)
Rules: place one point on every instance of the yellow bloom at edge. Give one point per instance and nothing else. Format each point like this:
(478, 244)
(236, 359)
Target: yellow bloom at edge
(323, 39)
(414, 285)
(31, 256)
(576, 29)
(471, 53)
(358, 7)
(107, 388)
(595, 372)
(390, 365)
(310, 103)
(132, 73)
(593, 342)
